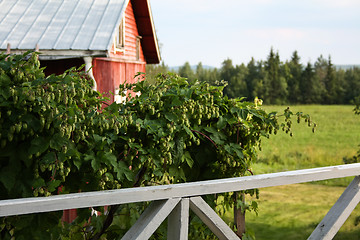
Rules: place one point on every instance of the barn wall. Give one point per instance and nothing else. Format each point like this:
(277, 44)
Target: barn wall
(120, 66)
(131, 33)
(110, 74)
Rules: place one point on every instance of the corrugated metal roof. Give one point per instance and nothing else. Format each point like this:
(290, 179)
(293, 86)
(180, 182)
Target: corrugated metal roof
(60, 24)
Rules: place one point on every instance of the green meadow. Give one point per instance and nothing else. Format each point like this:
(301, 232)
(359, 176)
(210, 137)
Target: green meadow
(337, 136)
(293, 211)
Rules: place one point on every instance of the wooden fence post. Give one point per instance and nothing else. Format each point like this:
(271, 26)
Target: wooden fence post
(178, 221)
(239, 214)
(8, 50)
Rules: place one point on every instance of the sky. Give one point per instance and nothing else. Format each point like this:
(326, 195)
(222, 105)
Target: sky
(211, 31)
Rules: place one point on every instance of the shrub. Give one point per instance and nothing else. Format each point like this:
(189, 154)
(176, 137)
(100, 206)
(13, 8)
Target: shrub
(57, 137)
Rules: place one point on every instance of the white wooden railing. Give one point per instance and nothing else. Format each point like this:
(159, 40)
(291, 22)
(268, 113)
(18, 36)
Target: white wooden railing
(174, 201)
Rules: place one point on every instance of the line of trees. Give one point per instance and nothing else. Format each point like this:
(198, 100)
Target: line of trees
(278, 82)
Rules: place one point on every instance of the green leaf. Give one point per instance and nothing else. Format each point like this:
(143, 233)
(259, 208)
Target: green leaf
(157, 172)
(89, 157)
(5, 92)
(174, 171)
(71, 115)
(243, 113)
(38, 182)
(98, 138)
(189, 132)
(129, 175)
(152, 126)
(221, 122)
(95, 163)
(39, 145)
(31, 121)
(77, 162)
(179, 149)
(124, 171)
(170, 116)
(8, 176)
(210, 129)
(188, 159)
(234, 148)
(228, 148)
(109, 157)
(53, 185)
(188, 92)
(218, 137)
(176, 102)
(5, 81)
(57, 141)
(49, 158)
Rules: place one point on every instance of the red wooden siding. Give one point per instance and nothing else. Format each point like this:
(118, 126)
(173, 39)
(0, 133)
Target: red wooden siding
(110, 74)
(120, 66)
(131, 33)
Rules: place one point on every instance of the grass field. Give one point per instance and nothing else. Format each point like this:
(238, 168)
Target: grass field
(293, 211)
(337, 135)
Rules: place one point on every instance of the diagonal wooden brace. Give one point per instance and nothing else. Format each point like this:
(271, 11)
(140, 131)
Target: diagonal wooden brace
(211, 219)
(151, 219)
(338, 214)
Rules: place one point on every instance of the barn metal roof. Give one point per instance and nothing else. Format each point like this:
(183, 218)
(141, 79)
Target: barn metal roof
(60, 25)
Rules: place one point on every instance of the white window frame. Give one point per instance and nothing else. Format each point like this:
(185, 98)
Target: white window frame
(119, 41)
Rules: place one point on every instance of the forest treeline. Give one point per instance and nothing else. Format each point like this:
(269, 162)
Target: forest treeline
(278, 82)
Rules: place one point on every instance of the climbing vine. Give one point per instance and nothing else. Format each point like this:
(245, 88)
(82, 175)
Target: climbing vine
(57, 136)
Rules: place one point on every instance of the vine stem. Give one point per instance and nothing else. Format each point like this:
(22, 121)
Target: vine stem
(237, 135)
(206, 137)
(113, 208)
(250, 171)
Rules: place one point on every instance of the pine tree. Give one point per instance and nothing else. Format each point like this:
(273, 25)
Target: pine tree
(251, 78)
(200, 73)
(275, 84)
(293, 81)
(331, 86)
(212, 76)
(152, 70)
(227, 70)
(258, 74)
(237, 85)
(352, 79)
(187, 72)
(320, 67)
(310, 88)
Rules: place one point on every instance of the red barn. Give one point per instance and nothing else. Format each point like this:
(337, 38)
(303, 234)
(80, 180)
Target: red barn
(116, 37)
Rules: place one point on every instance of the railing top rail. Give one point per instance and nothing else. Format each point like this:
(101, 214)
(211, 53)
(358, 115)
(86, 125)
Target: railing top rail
(141, 194)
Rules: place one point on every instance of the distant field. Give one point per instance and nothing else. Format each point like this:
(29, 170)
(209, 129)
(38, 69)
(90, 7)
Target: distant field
(293, 211)
(337, 135)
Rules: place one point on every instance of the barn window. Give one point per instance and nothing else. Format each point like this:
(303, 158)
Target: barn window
(120, 41)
